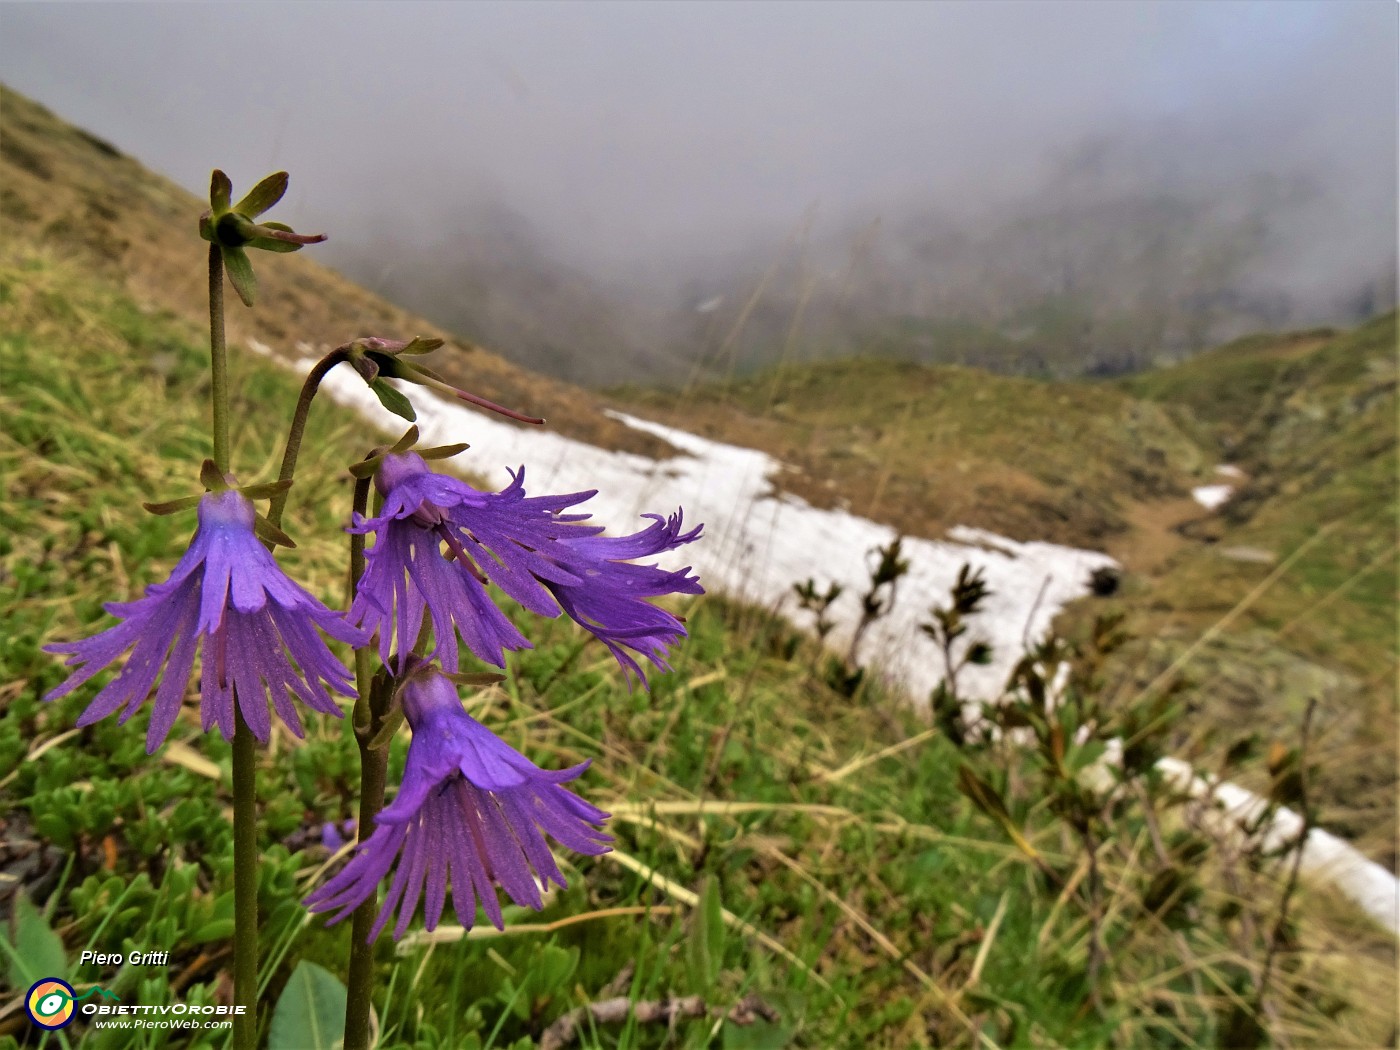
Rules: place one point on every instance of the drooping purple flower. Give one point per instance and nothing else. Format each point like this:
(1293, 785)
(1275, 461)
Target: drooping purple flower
(333, 837)
(228, 601)
(545, 559)
(472, 813)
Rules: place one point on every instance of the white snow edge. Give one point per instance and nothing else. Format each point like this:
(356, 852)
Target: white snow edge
(1326, 858)
(1212, 497)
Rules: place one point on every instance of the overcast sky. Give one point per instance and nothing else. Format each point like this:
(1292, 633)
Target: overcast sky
(630, 131)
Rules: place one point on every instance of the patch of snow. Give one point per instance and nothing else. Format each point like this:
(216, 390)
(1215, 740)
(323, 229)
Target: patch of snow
(1229, 470)
(1325, 857)
(759, 543)
(1212, 496)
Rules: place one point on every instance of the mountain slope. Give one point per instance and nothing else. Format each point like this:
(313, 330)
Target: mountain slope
(926, 448)
(1311, 419)
(81, 197)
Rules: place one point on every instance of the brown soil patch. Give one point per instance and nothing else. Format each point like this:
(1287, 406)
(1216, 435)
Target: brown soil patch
(1153, 535)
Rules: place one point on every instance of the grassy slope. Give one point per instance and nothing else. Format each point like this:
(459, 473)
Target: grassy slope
(1312, 421)
(79, 455)
(925, 448)
(1309, 416)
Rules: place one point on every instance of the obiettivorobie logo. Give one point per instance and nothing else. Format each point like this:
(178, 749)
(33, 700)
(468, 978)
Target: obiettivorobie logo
(50, 1002)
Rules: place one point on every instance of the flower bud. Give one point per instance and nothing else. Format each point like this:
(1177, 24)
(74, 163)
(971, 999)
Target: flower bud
(231, 227)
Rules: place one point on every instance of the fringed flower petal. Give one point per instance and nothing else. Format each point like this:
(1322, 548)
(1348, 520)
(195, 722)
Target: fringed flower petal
(472, 814)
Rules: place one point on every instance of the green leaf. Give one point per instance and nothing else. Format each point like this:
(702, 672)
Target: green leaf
(365, 468)
(761, 1035)
(32, 950)
(394, 401)
(310, 1015)
(550, 971)
(240, 274)
(1087, 754)
(409, 439)
(270, 533)
(213, 930)
(173, 506)
(444, 451)
(267, 244)
(211, 477)
(475, 678)
(988, 799)
(220, 191)
(387, 729)
(982, 794)
(706, 948)
(263, 196)
(265, 489)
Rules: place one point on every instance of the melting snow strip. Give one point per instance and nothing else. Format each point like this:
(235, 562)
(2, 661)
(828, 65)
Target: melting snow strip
(1212, 496)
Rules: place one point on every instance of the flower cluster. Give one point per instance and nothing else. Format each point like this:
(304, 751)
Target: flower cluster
(472, 813)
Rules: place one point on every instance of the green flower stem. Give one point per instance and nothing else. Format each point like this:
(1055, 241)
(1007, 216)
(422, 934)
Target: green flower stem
(218, 360)
(245, 885)
(298, 428)
(373, 770)
(245, 803)
(374, 767)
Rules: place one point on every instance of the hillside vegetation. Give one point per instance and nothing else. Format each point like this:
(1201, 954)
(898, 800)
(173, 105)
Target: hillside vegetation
(926, 448)
(780, 842)
(1311, 419)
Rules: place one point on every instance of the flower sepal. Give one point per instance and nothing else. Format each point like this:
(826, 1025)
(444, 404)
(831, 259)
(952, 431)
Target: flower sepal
(475, 678)
(379, 719)
(367, 467)
(379, 359)
(216, 481)
(232, 229)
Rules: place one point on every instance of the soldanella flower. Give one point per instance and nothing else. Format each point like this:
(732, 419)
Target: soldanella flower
(472, 813)
(229, 602)
(547, 560)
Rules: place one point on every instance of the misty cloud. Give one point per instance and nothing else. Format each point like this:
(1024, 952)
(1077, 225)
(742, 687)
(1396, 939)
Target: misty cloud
(636, 157)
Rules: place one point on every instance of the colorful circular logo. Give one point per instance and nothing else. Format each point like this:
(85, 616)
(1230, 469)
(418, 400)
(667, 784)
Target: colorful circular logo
(50, 1003)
